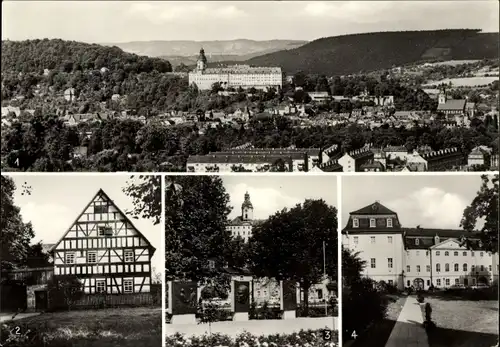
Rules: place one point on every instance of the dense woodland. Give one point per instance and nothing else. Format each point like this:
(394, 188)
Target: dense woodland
(342, 55)
(46, 144)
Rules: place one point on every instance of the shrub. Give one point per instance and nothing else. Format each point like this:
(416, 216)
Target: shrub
(361, 296)
(312, 338)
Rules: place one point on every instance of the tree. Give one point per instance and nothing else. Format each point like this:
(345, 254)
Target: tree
(65, 291)
(484, 208)
(146, 194)
(289, 245)
(15, 235)
(195, 228)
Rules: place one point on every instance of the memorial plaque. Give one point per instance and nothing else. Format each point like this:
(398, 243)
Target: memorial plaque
(241, 296)
(289, 292)
(184, 299)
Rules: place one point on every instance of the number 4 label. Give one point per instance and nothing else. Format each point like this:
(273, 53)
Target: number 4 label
(354, 335)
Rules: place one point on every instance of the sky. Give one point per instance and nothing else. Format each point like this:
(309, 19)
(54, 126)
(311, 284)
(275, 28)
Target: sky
(124, 21)
(270, 194)
(428, 201)
(56, 201)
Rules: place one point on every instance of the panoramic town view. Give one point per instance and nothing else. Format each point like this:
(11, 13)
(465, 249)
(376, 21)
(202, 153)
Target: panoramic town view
(249, 173)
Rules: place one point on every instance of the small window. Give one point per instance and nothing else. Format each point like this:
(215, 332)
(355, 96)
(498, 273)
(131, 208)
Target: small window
(428, 268)
(389, 239)
(482, 268)
(418, 252)
(128, 286)
(418, 268)
(372, 223)
(428, 283)
(355, 223)
(457, 281)
(92, 257)
(438, 253)
(417, 242)
(69, 258)
(356, 240)
(489, 268)
(465, 267)
(372, 239)
(446, 253)
(447, 281)
(372, 263)
(389, 263)
(407, 268)
(101, 209)
(447, 267)
(438, 282)
(455, 254)
(472, 253)
(481, 254)
(105, 231)
(100, 286)
(455, 267)
(438, 267)
(128, 256)
(464, 254)
(389, 222)
(408, 283)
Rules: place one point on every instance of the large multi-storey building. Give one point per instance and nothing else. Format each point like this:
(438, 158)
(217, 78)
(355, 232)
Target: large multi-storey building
(242, 225)
(415, 257)
(238, 76)
(256, 160)
(105, 251)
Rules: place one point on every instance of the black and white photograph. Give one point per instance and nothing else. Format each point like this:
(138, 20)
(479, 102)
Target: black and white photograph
(251, 261)
(250, 86)
(82, 261)
(420, 261)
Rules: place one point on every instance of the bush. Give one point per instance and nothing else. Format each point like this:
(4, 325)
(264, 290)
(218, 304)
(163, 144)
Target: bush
(361, 296)
(312, 338)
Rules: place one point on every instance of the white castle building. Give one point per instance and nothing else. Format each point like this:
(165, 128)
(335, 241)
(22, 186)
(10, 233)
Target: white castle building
(237, 76)
(416, 257)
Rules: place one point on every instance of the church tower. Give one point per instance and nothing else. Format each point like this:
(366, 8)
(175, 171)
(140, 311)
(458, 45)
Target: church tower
(247, 208)
(201, 64)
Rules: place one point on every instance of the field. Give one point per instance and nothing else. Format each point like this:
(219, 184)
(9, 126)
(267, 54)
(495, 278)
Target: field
(462, 323)
(102, 328)
(465, 81)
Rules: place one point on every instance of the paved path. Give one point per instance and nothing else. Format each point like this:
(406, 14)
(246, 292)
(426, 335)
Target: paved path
(408, 330)
(5, 317)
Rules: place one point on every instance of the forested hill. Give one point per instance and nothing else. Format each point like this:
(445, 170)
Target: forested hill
(350, 54)
(34, 56)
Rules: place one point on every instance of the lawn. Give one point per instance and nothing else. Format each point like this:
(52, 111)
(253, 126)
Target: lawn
(465, 81)
(103, 328)
(378, 334)
(462, 323)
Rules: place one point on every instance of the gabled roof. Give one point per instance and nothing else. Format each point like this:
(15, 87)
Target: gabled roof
(100, 191)
(375, 208)
(456, 105)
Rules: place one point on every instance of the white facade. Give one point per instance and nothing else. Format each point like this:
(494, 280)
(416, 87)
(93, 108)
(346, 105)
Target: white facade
(416, 258)
(238, 76)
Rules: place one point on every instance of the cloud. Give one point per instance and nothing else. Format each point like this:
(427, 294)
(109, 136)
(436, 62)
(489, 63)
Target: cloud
(49, 221)
(430, 207)
(159, 13)
(265, 201)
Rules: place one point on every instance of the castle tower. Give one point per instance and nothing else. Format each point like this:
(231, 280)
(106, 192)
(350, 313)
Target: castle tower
(201, 64)
(247, 208)
(442, 96)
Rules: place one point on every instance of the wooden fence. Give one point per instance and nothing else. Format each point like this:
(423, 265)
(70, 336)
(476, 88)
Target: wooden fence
(96, 301)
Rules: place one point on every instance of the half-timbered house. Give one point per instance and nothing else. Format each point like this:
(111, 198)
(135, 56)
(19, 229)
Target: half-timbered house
(105, 250)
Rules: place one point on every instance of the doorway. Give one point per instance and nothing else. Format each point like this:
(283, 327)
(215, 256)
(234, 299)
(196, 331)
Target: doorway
(41, 300)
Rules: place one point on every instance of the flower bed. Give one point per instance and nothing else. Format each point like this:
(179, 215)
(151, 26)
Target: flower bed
(303, 338)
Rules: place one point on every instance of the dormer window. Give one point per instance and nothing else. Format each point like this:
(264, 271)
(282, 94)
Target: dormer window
(372, 222)
(355, 223)
(417, 242)
(389, 222)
